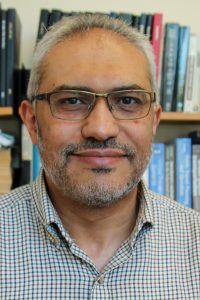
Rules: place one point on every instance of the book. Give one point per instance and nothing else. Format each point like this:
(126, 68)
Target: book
(196, 176)
(13, 30)
(169, 171)
(3, 58)
(54, 16)
(148, 26)
(26, 156)
(43, 23)
(157, 169)
(136, 21)
(191, 95)
(5, 170)
(156, 37)
(179, 89)
(183, 171)
(36, 162)
(170, 51)
(142, 23)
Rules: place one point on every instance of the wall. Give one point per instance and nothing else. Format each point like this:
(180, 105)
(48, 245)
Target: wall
(186, 12)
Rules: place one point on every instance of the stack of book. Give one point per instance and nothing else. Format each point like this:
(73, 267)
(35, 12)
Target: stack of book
(174, 170)
(180, 90)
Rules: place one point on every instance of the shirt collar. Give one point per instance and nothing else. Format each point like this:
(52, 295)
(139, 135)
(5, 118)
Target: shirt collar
(47, 213)
(145, 220)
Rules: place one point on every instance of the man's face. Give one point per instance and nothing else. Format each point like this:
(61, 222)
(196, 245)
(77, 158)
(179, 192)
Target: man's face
(99, 160)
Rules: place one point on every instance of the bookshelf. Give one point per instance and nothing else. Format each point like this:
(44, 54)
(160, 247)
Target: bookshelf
(180, 117)
(6, 111)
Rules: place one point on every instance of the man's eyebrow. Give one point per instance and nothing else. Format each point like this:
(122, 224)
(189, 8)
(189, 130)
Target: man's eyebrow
(89, 89)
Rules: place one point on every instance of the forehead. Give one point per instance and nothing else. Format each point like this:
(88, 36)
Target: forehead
(96, 58)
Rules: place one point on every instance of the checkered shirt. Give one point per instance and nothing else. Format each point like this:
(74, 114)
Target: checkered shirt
(39, 260)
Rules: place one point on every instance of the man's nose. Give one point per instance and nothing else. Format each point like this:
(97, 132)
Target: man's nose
(100, 124)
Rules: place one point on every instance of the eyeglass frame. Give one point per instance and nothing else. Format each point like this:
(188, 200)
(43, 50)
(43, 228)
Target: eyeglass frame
(47, 96)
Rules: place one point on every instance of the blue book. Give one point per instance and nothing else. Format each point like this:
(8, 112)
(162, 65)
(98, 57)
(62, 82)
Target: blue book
(36, 162)
(142, 23)
(180, 78)
(183, 171)
(148, 26)
(170, 51)
(157, 169)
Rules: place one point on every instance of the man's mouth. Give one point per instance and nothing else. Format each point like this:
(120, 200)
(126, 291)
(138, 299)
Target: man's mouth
(100, 157)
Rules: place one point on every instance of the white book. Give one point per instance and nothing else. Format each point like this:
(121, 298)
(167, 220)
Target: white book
(192, 86)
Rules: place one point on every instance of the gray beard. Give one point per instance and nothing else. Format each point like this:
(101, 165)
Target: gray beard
(92, 194)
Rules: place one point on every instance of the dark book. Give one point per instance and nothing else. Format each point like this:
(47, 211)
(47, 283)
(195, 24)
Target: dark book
(180, 78)
(3, 58)
(43, 23)
(142, 23)
(148, 26)
(170, 50)
(136, 21)
(54, 16)
(12, 53)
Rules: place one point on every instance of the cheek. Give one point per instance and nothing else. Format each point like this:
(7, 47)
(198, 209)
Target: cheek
(138, 132)
(58, 133)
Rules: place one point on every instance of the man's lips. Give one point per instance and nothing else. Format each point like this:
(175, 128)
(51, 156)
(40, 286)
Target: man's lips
(100, 157)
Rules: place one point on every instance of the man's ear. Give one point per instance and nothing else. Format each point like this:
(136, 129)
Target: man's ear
(156, 118)
(27, 115)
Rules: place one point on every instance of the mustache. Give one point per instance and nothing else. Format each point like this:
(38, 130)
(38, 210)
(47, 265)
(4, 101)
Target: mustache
(71, 149)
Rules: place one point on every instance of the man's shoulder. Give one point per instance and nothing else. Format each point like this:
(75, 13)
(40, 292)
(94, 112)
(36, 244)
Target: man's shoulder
(15, 197)
(169, 209)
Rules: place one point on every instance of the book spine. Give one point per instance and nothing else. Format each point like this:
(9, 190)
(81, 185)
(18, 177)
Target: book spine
(3, 58)
(156, 37)
(36, 162)
(43, 23)
(148, 26)
(196, 176)
(54, 16)
(190, 74)
(184, 171)
(142, 23)
(157, 169)
(169, 171)
(170, 51)
(27, 155)
(10, 56)
(184, 35)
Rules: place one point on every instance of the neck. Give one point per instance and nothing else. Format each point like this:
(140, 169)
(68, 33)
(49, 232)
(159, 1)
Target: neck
(97, 231)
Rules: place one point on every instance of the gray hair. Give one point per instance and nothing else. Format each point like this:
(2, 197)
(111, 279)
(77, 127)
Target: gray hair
(83, 22)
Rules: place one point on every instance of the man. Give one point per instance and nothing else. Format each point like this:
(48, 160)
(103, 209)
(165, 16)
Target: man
(88, 228)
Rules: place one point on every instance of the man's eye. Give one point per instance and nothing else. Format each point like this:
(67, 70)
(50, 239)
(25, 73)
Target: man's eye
(127, 100)
(70, 101)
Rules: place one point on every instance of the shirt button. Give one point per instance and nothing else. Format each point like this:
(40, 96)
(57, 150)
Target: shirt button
(100, 280)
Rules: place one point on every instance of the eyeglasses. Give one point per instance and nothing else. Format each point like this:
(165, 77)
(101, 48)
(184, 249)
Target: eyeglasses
(77, 105)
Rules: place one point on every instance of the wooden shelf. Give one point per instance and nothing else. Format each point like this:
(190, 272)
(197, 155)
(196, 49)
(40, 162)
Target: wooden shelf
(180, 117)
(6, 111)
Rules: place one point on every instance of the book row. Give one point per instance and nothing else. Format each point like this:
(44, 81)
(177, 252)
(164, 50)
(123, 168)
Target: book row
(174, 171)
